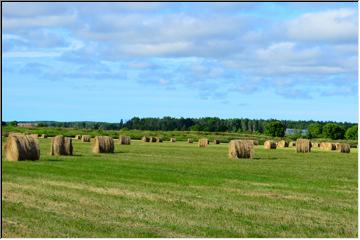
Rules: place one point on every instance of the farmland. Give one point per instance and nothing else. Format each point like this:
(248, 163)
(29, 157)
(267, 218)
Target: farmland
(180, 190)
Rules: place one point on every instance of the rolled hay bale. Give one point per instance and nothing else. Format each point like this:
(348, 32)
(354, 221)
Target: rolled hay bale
(270, 144)
(77, 137)
(216, 141)
(103, 144)
(282, 144)
(85, 138)
(159, 140)
(172, 139)
(343, 148)
(145, 139)
(327, 146)
(292, 144)
(303, 145)
(34, 135)
(152, 139)
(43, 136)
(255, 142)
(190, 140)
(20, 147)
(61, 145)
(241, 149)
(203, 142)
(124, 140)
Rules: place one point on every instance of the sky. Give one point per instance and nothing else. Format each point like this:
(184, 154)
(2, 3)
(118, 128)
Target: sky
(112, 61)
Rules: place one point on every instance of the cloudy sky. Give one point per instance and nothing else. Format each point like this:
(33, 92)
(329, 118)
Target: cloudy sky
(112, 61)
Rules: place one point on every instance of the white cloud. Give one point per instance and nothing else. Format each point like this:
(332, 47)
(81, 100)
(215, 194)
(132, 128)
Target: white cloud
(332, 25)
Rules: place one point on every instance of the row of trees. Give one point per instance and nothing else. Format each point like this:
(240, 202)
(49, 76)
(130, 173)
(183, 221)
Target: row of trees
(212, 124)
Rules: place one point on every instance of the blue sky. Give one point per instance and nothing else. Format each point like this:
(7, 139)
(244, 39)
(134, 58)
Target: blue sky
(112, 61)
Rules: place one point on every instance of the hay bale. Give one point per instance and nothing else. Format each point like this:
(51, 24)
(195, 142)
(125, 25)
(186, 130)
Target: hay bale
(159, 140)
(20, 147)
(255, 142)
(152, 139)
(292, 144)
(34, 135)
(77, 137)
(172, 139)
(282, 144)
(103, 144)
(216, 141)
(61, 145)
(145, 139)
(190, 140)
(203, 142)
(343, 147)
(315, 144)
(327, 146)
(241, 149)
(85, 138)
(43, 136)
(270, 144)
(303, 145)
(124, 140)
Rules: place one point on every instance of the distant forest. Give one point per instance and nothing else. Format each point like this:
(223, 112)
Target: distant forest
(209, 124)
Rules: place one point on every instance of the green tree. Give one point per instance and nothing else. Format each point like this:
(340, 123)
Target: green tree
(352, 133)
(275, 129)
(333, 131)
(314, 130)
(13, 123)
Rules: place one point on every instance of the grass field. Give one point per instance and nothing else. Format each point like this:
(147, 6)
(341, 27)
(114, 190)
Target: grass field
(180, 190)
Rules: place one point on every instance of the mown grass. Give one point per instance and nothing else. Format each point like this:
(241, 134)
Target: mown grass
(180, 190)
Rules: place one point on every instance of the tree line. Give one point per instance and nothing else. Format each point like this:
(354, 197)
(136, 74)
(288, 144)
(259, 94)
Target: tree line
(334, 130)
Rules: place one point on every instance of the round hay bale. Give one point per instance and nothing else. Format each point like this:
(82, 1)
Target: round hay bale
(152, 139)
(77, 137)
(203, 142)
(34, 135)
(255, 142)
(282, 144)
(190, 140)
(327, 146)
(343, 148)
(292, 144)
(124, 140)
(145, 139)
(43, 136)
(172, 139)
(20, 147)
(241, 149)
(270, 144)
(85, 138)
(216, 141)
(103, 144)
(303, 145)
(61, 145)
(159, 140)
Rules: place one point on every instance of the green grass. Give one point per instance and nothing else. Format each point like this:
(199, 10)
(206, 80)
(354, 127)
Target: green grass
(180, 190)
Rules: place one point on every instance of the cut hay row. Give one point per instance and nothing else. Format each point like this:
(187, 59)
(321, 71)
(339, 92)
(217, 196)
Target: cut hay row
(85, 138)
(124, 140)
(303, 145)
(20, 147)
(103, 144)
(282, 144)
(269, 144)
(203, 142)
(241, 149)
(61, 145)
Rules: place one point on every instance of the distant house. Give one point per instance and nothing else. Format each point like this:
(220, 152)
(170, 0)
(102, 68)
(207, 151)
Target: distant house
(27, 124)
(292, 131)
